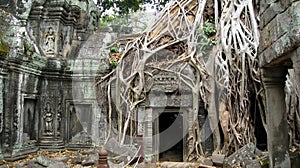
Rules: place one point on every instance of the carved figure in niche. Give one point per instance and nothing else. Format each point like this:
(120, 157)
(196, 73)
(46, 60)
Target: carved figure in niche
(48, 120)
(49, 40)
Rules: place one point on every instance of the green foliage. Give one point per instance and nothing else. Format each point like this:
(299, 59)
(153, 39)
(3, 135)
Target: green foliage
(206, 38)
(209, 28)
(105, 20)
(114, 49)
(125, 7)
(114, 64)
(102, 23)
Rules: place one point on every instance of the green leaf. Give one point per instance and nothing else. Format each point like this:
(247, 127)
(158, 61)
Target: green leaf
(114, 64)
(113, 49)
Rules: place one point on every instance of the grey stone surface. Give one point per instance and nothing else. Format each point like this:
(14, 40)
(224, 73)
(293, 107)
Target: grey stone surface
(277, 126)
(44, 161)
(218, 159)
(48, 74)
(76, 160)
(58, 165)
(244, 157)
(61, 159)
(279, 31)
(90, 160)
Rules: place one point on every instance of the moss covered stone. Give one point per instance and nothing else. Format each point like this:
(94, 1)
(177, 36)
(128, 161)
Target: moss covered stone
(3, 46)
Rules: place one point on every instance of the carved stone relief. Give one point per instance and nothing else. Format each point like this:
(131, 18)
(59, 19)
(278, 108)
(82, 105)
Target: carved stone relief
(48, 117)
(49, 41)
(165, 82)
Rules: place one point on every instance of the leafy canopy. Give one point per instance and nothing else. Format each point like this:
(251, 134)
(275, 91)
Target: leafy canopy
(123, 7)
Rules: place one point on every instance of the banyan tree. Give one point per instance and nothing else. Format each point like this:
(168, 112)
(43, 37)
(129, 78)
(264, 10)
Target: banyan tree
(217, 42)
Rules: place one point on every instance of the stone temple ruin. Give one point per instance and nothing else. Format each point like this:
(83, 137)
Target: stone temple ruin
(52, 51)
(48, 99)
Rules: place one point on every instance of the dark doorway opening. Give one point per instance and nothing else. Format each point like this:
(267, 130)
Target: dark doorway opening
(260, 132)
(171, 136)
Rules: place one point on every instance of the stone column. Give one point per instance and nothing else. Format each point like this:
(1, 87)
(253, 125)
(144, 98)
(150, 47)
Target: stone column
(278, 142)
(148, 137)
(296, 65)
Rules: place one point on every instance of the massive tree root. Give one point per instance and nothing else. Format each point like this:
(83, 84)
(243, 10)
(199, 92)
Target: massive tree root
(293, 107)
(226, 81)
(237, 71)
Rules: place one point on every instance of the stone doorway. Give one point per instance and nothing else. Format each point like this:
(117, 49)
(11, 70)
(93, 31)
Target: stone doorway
(170, 128)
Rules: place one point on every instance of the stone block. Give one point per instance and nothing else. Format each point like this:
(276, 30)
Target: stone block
(271, 1)
(276, 52)
(267, 35)
(61, 159)
(44, 161)
(208, 162)
(285, 4)
(218, 159)
(283, 45)
(266, 56)
(283, 23)
(295, 29)
(247, 156)
(263, 6)
(270, 13)
(58, 164)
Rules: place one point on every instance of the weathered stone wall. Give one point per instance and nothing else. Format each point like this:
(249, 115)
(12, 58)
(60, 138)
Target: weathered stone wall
(279, 40)
(48, 97)
(279, 30)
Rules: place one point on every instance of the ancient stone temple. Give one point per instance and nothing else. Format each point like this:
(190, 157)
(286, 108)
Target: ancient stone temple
(53, 53)
(47, 76)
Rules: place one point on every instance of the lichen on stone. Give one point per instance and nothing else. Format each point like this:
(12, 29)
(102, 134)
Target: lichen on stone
(3, 46)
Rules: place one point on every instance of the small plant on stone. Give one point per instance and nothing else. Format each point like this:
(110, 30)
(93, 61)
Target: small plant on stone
(114, 49)
(114, 64)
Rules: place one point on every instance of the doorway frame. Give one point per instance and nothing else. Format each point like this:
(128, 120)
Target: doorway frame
(156, 139)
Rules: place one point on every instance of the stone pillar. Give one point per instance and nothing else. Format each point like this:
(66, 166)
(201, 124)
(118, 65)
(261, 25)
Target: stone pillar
(296, 65)
(148, 137)
(278, 140)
